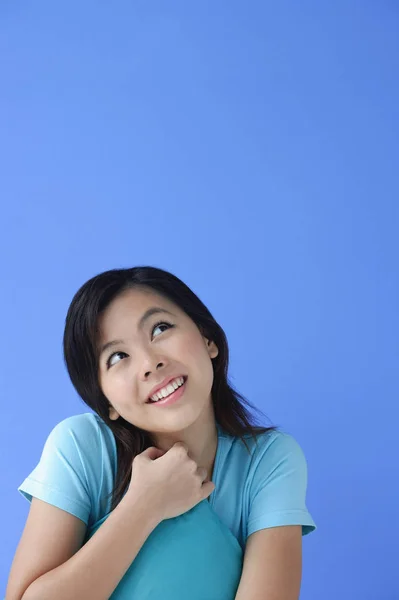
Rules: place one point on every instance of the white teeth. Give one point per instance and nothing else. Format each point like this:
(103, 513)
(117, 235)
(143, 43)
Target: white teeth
(166, 391)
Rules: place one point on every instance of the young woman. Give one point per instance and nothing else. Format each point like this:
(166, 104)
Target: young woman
(168, 432)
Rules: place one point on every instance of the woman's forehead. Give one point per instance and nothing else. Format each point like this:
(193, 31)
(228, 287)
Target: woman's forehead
(137, 306)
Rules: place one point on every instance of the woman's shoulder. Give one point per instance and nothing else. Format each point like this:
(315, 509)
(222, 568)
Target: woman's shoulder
(87, 433)
(76, 467)
(276, 452)
(270, 446)
(277, 442)
(84, 424)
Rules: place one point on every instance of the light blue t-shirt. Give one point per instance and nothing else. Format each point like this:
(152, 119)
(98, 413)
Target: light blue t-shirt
(256, 490)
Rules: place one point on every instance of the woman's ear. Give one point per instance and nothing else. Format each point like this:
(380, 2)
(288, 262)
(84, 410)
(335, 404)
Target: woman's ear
(113, 415)
(213, 350)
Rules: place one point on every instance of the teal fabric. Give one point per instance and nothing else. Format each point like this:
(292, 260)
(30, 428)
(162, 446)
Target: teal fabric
(256, 488)
(191, 556)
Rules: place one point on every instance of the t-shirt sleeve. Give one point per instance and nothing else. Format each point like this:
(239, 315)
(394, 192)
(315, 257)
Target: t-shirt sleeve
(278, 487)
(60, 477)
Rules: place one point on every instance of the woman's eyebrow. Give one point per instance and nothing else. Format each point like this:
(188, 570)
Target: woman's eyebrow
(148, 313)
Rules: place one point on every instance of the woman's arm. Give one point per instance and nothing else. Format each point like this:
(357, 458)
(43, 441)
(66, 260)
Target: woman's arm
(95, 570)
(272, 566)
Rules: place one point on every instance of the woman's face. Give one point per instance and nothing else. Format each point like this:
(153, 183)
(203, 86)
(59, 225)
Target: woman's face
(146, 355)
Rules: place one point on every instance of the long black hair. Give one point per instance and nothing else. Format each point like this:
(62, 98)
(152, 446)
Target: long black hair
(80, 345)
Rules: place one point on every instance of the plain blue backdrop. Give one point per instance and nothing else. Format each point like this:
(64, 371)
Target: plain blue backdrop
(251, 148)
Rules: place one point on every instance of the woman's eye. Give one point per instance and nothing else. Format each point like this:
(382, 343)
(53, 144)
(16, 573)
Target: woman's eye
(168, 325)
(161, 323)
(114, 354)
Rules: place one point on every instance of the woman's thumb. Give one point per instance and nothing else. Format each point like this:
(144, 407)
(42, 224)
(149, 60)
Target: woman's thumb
(207, 488)
(153, 452)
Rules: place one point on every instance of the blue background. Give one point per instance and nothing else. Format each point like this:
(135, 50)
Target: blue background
(252, 149)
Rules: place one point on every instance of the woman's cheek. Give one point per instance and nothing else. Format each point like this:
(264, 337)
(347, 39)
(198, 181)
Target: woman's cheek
(190, 346)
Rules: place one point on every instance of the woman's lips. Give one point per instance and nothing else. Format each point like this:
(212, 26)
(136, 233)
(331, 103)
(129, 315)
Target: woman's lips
(172, 398)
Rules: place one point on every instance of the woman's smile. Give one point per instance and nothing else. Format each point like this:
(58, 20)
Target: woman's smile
(171, 398)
